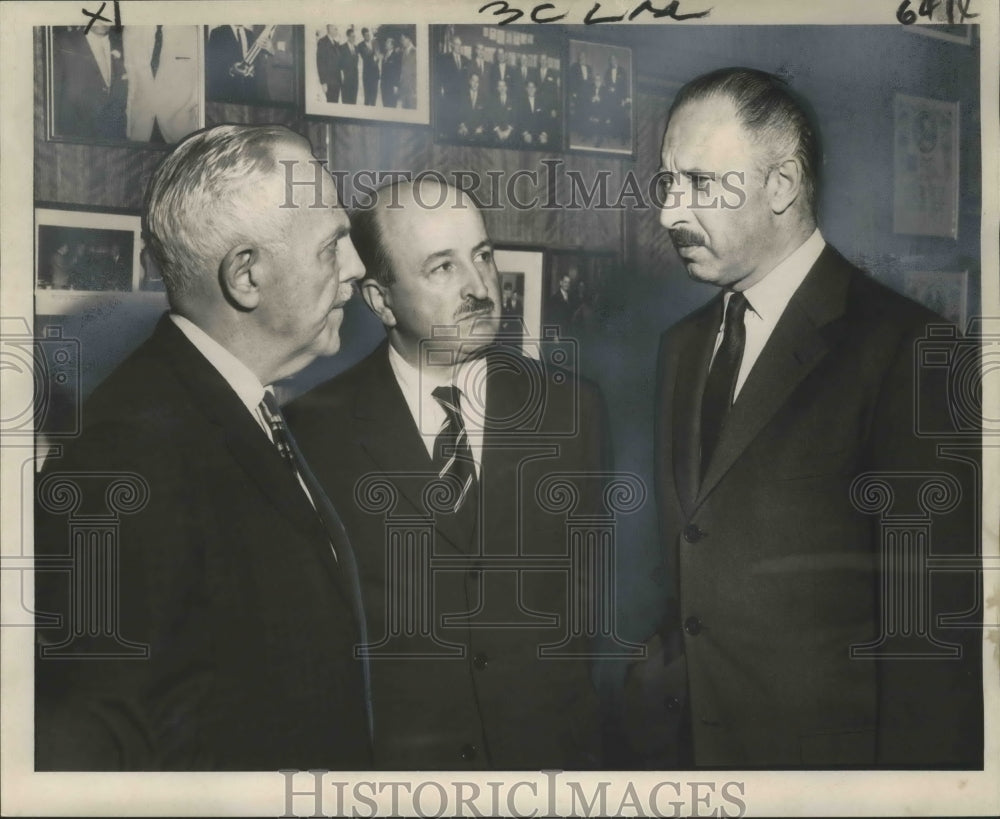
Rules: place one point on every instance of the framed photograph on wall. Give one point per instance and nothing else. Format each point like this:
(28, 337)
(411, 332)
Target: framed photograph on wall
(141, 85)
(83, 252)
(497, 87)
(253, 64)
(521, 284)
(925, 181)
(575, 296)
(367, 69)
(944, 293)
(600, 83)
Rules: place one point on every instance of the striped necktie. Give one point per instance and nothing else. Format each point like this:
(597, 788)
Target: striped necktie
(452, 453)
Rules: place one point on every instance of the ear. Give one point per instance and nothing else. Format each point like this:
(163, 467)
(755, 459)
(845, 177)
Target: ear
(784, 185)
(379, 300)
(240, 276)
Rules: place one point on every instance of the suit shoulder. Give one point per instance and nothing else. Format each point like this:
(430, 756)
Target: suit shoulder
(336, 394)
(876, 301)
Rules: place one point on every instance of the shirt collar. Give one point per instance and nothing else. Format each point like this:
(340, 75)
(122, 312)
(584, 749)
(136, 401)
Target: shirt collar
(769, 297)
(244, 383)
(417, 386)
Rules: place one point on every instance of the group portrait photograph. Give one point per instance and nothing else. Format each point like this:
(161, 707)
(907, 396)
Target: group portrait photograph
(500, 409)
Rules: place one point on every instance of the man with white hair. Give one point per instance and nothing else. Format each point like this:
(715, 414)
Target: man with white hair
(237, 604)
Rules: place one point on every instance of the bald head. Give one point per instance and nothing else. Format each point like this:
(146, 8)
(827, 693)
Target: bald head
(429, 263)
(409, 201)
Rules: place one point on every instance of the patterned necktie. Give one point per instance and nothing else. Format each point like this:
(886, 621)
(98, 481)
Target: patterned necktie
(293, 458)
(720, 387)
(453, 455)
(154, 61)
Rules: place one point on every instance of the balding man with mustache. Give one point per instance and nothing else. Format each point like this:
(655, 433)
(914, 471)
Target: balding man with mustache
(442, 434)
(778, 402)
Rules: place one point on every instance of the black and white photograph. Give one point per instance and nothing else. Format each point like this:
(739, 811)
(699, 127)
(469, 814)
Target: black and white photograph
(252, 64)
(521, 273)
(497, 87)
(139, 84)
(599, 83)
(85, 251)
(475, 409)
(576, 292)
(369, 70)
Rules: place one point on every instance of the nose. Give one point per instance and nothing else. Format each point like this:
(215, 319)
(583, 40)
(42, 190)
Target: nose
(674, 204)
(351, 267)
(477, 281)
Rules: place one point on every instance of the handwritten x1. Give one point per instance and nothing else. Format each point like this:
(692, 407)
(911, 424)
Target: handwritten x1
(94, 17)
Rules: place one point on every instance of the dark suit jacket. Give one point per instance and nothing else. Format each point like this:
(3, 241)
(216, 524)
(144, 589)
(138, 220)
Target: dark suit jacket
(221, 53)
(392, 67)
(328, 66)
(779, 571)
(452, 78)
(490, 692)
(85, 105)
(472, 116)
(371, 71)
(349, 73)
(226, 575)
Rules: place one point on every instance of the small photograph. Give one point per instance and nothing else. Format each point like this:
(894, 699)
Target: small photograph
(367, 70)
(521, 274)
(142, 84)
(85, 251)
(512, 309)
(497, 87)
(575, 297)
(599, 98)
(944, 293)
(252, 65)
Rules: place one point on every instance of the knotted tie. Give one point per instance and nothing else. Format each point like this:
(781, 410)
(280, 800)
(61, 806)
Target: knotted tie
(720, 387)
(154, 60)
(292, 456)
(452, 453)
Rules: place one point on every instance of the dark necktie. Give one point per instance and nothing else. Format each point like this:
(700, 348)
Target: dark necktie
(154, 61)
(720, 387)
(452, 453)
(292, 456)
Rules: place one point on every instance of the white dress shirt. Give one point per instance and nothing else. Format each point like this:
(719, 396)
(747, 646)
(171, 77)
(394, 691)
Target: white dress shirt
(428, 415)
(237, 375)
(767, 300)
(100, 46)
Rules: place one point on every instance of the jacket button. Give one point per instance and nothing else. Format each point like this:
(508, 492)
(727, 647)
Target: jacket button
(692, 534)
(468, 752)
(672, 704)
(692, 626)
(480, 661)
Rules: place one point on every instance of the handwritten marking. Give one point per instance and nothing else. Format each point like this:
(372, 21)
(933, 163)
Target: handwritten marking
(502, 8)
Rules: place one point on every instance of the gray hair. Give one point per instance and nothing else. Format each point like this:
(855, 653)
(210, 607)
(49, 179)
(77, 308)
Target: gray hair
(196, 207)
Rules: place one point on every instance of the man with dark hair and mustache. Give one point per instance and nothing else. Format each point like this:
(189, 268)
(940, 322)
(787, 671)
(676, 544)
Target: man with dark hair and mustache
(787, 645)
(459, 433)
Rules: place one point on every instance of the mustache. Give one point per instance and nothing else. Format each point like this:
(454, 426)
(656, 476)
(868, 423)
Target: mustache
(682, 237)
(475, 305)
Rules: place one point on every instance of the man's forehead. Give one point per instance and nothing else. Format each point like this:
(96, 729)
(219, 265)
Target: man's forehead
(705, 129)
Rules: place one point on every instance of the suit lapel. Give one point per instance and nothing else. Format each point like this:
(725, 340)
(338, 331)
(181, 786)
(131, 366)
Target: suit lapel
(246, 441)
(389, 434)
(689, 383)
(794, 349)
